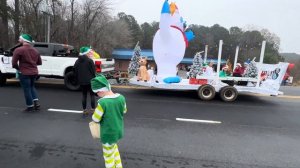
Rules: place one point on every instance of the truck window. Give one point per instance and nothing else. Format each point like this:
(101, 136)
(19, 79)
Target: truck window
(59, 51)
(43, 49)
(64, 51)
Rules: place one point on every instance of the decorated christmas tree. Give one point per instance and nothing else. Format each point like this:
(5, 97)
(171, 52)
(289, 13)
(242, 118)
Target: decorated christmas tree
(251, 70)
(133, 67)
(196, 68)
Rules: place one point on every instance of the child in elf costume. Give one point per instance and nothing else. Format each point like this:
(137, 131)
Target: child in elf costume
(109, 112)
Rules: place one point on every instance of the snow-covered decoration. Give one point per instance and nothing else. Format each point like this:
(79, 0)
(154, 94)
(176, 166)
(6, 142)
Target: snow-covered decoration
(197, 67)
(133, 67)
(251, 70)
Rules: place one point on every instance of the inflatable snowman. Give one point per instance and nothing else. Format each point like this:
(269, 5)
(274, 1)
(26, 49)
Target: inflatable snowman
(169, 43)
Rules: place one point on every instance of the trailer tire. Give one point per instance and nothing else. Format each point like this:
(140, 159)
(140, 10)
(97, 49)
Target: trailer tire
(2, 79)
(70, 81)
(228, 93)
(206, 92)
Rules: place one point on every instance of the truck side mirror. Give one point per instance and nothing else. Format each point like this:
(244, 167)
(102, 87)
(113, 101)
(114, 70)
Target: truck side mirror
(7, 53)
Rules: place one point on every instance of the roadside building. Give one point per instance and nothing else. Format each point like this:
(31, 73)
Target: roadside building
(123, 56)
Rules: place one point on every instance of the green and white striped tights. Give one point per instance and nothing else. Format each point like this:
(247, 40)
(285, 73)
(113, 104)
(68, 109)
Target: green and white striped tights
(111, 156)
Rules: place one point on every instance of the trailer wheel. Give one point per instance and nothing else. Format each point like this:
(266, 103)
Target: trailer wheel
(70, 81)
(206, 92)
(2, 79)
(228, 93)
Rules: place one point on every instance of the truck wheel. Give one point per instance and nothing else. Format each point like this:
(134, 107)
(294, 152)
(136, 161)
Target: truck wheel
(2, 79)
(206, 92)
(228, 93)
(70, 81)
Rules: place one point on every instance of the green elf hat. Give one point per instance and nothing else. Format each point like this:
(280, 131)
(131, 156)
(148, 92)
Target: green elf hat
(26, 37)
(100, 84)
(84, 50)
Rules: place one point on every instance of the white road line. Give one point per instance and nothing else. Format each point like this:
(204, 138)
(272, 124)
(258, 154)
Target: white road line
(199, 121)
(64, 111)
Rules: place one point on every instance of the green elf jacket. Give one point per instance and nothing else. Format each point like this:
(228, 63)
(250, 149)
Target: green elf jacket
(109, 113)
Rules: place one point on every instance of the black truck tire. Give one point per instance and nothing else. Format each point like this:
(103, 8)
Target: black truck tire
(70, 81)
(2, 79)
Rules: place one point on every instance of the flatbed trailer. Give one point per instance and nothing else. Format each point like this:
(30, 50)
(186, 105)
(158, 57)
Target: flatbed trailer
(211, 85)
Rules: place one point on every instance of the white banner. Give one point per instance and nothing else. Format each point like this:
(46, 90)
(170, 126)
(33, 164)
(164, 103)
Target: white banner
(272, 75)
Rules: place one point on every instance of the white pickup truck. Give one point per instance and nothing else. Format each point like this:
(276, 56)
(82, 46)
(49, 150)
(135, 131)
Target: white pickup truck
(57, 62)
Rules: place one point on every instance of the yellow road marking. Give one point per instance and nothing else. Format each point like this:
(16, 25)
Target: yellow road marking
(289, 97)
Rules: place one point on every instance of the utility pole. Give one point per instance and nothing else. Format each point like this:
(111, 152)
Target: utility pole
(48, 22)
(48, 33)
(46, 11)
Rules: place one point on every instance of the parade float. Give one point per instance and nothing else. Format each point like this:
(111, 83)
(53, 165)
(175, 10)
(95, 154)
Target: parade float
(169, 45)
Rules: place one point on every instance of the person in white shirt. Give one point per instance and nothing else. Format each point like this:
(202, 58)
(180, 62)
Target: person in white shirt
(209, 71)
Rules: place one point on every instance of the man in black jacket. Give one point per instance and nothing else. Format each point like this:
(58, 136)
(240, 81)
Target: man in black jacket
(84, 69)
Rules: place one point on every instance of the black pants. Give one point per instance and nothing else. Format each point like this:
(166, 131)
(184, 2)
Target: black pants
(85, 89)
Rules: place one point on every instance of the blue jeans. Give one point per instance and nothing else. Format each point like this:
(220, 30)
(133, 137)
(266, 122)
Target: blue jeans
(27, 83)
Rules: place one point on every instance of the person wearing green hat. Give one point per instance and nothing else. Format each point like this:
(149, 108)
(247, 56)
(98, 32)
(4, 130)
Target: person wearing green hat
(109, 112)
(25, 60)
(84, 70)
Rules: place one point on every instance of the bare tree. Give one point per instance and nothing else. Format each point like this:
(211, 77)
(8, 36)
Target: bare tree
(17, 20)
(98, 29)
(95, 14)
(73, 13)
(4, 19)
(30, 18)
(73, 22)
(271, 38)
(113, 34)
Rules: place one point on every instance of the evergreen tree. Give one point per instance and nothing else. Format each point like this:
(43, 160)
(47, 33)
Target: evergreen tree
(251, 70)
(134, 62)
(197, 67)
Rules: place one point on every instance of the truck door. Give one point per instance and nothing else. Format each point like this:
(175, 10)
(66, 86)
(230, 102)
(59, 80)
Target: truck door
(44, 50)
(61, 59)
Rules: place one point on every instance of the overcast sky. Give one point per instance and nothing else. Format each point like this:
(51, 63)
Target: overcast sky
(281, 17)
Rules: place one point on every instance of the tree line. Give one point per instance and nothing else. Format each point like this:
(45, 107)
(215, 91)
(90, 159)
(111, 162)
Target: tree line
(73, 22)
(90, 22)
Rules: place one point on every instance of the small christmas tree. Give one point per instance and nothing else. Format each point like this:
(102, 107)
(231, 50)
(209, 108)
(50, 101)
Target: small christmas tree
(251, 70)
(197, 67)
(133, 67)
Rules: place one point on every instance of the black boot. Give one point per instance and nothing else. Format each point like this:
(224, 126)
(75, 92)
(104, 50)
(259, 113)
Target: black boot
(36, 104)
(85, 113)
(29, 110)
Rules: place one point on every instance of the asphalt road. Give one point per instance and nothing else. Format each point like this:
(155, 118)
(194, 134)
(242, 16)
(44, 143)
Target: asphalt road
(255, 131)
